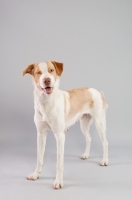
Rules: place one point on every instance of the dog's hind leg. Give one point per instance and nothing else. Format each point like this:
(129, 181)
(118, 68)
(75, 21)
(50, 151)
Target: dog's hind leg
(101, 128)
(85, 123)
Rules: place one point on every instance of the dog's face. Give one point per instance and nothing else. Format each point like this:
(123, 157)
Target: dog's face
(45, 75)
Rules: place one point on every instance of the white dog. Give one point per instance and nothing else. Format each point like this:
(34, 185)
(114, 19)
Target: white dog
(57, 110)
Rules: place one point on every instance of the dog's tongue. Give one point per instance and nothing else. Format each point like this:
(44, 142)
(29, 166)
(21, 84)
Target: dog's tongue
(48, 90)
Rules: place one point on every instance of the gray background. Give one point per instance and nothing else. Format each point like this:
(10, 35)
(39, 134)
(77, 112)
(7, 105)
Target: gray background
(94, 41)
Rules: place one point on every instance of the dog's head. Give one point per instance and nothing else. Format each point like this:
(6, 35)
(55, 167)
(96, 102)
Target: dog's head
(45, 75)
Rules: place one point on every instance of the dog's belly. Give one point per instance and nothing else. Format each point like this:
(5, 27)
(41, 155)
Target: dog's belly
(71, 121)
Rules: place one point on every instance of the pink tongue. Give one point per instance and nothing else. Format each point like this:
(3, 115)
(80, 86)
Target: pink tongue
(47, 90)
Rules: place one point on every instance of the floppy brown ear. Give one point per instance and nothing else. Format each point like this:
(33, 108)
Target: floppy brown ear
(58, 67)
(29, 69)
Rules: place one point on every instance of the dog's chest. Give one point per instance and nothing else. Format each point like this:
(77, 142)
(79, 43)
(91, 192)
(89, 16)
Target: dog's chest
(45, 111)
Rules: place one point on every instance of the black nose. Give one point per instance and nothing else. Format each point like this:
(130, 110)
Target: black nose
(47, 81)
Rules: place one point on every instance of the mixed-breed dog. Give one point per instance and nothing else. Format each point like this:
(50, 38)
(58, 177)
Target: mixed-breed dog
(57, 110)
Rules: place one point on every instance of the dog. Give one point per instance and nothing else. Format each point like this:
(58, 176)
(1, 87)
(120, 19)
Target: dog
(57, 110)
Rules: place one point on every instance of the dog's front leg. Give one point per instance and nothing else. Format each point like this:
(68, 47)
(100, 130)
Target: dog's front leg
(41, 142)
(60, 141)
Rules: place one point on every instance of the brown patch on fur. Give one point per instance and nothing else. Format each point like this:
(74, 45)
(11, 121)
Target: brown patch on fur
(35, 71)
(79, 98)
(51, 69)
(29, 69)
(58, 67)
(104, 101)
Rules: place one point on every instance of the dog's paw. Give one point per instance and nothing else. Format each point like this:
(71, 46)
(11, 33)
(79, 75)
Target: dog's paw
(84, 156)
(104, 162)
(33, 176)
(57, 184)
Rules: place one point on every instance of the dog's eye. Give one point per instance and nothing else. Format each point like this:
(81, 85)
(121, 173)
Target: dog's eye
(39, 72)
(51, 70)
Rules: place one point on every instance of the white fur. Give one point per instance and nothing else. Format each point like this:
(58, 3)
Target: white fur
(49, 115)
(45, 74)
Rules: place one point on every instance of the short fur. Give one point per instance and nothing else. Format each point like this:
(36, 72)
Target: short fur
(57, 110)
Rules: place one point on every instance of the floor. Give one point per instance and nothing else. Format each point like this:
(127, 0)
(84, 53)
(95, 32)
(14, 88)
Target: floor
(83, 179)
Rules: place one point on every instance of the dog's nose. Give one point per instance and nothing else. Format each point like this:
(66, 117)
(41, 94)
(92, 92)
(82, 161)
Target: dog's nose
(47, 81)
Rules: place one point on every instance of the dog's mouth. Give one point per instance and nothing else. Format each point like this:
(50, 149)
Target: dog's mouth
(47, 90)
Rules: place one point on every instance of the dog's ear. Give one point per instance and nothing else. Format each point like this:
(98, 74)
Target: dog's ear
(58, 67)
(29, 69)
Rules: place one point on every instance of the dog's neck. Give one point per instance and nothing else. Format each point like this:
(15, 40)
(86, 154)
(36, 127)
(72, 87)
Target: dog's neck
(45, 98)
